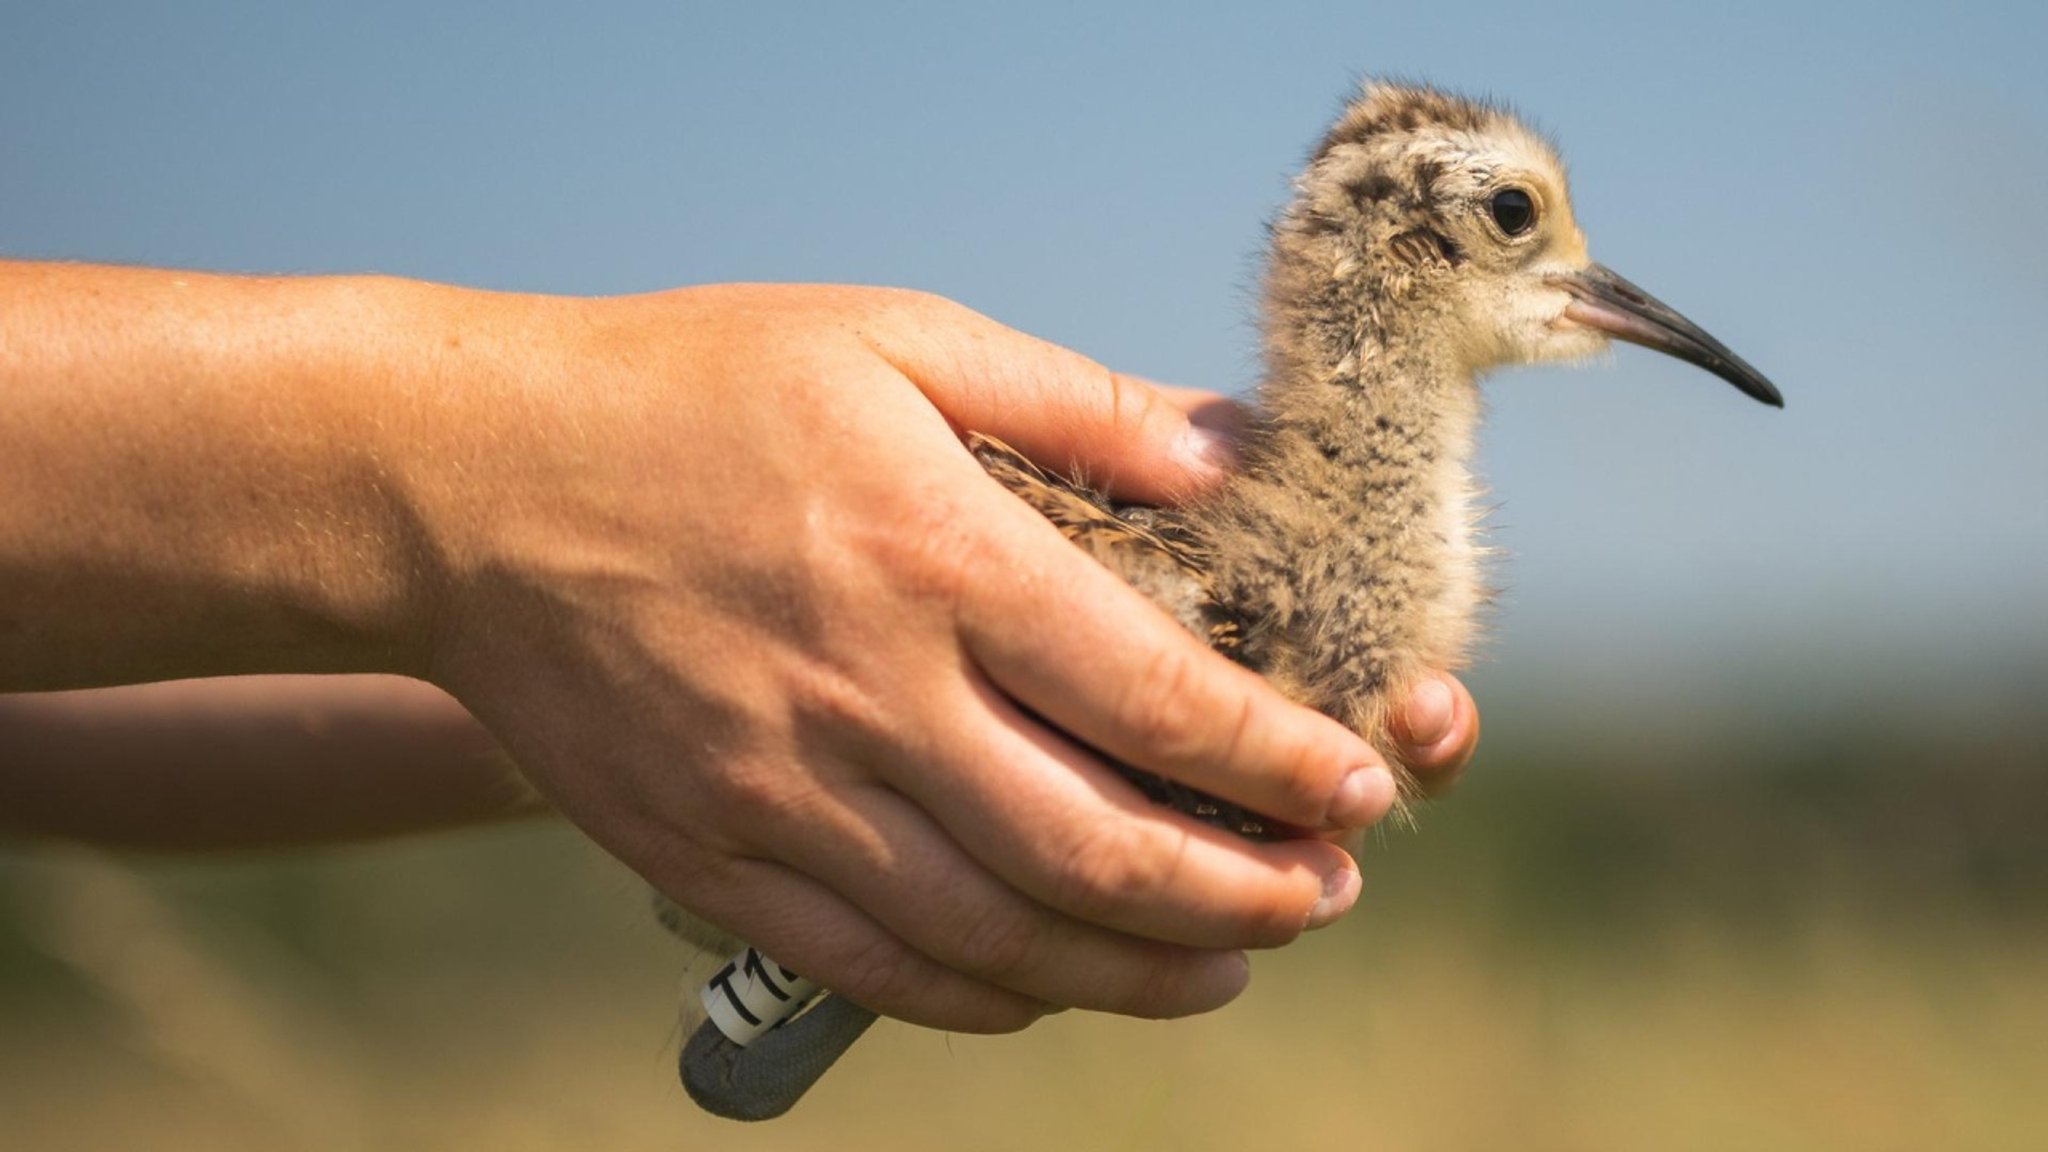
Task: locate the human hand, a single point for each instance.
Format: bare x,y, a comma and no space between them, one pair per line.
722,579
716,567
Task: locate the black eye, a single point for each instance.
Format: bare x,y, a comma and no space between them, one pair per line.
1513,211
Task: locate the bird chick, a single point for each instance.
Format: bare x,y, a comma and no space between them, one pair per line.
1429,240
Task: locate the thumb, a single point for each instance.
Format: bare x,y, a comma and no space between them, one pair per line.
1058,407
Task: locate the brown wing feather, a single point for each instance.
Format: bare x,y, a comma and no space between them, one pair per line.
1074,509
1144,546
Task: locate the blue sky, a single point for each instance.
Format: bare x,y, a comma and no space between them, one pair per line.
1850,195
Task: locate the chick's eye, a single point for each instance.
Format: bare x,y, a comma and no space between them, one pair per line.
1513,211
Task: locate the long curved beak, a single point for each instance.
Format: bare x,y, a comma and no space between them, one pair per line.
1604,301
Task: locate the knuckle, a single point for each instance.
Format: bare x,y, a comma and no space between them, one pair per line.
880,973
1160,993
885,976
1169,715
836,704
917,309
752,792
998,945
929,547
1304,789
913,298
1136,406
937,309
1115,865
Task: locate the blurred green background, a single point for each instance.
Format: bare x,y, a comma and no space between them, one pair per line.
1756,852
1841,942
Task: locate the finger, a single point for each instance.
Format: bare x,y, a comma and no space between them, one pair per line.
811,930
1158,699
1055,406
888,858
1438,729
1062,827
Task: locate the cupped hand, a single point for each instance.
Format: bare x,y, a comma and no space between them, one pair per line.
715,568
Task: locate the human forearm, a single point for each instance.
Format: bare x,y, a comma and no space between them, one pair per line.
191,480
249,762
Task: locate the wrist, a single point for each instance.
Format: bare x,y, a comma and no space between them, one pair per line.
468,441
368,357
196,479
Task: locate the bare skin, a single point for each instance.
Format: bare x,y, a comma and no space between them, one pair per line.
281,761
711,567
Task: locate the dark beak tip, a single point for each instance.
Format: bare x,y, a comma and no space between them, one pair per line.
1626,312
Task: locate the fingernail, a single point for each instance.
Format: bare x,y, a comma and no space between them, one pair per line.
1362,798
1340,892
1200,450
1431,709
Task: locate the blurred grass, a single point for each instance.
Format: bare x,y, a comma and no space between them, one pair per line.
1840,944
